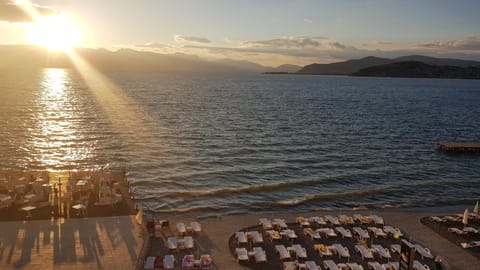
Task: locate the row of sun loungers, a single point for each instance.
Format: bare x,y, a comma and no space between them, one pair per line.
278,223
463,231
194,227
257,253
169,262
183,243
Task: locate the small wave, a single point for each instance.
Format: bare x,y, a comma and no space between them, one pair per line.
328,197
246,189
188,210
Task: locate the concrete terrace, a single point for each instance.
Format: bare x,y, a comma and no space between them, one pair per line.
87,243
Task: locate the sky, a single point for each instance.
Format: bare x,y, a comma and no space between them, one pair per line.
268,32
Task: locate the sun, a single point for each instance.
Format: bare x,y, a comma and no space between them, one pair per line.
55,33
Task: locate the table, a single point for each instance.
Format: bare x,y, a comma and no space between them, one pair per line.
28,209
80,208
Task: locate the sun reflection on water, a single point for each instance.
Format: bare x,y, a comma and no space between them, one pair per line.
56,138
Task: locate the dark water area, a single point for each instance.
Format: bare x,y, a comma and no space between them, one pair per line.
204,145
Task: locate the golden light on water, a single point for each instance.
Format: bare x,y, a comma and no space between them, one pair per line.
55,126
121,109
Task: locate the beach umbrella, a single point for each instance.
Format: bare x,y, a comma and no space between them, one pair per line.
475,210
465,217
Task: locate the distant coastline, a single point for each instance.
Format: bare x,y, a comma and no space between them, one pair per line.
413,66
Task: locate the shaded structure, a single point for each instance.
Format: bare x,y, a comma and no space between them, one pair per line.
459,147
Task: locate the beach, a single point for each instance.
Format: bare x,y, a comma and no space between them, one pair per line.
119,242
217,231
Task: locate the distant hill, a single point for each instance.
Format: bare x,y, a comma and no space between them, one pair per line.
287,68
27,57
352,66
415,69
343,68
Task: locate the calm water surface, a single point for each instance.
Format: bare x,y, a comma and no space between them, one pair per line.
219,144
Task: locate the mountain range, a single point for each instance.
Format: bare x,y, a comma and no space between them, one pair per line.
352,66
128,60
25,57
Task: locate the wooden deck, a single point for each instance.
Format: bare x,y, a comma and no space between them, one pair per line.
459,147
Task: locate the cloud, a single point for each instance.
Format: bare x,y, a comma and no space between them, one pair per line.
471,43
307,20
14,12
287,42
153,45
181,39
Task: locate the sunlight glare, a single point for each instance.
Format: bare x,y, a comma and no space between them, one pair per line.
55,33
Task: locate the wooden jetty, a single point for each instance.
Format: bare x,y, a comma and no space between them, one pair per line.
459,147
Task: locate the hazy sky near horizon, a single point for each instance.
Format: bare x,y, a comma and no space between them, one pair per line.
273,32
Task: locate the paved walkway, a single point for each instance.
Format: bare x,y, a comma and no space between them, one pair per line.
87,243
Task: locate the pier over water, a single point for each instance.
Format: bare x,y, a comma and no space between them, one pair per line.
459,147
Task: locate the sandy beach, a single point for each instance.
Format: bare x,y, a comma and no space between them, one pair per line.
217,231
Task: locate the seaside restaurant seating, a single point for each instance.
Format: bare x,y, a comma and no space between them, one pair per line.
241,238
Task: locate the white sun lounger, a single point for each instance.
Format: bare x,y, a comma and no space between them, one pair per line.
172,243
329,232
470,230
260,255
256,237
375,266
168,262
391,265
314,235
303,221
342,251
346,219
376,219
393,231
330,265
311,265
290,265
318,220
423,251
346,233
242,254
196,227
381,251
278,222
289,234
361,233
395,248
274,235
364,252
266,223
333,220
470,244
322,250
181,228
241,237
436,219
350,266
377,232
188,242
419,266
452,219
457,231
282,252
300,252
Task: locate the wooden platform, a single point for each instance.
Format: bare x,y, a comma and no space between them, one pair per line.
459,147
